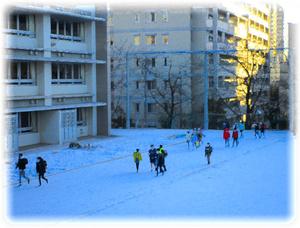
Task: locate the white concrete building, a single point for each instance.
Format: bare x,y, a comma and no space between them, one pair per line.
56,80
137,29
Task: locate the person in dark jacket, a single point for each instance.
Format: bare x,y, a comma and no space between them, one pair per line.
162,151
208,151
21,165
152,157
41,166
160,162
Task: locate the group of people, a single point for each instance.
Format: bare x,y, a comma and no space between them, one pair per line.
259,129
41,166
235,136
157,159
194,137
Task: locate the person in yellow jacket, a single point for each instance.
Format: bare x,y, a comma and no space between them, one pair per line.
137,157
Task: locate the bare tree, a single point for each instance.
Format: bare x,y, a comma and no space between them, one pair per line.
251,78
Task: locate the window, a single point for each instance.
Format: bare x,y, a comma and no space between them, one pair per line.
112,85
153,62
111,42
165,17
150,39
20,73
166,82
266,30
61,30
66,30
165,39
76,29
23,22
210,58
53,27
81,117
13,22
219,36
152,17
210,38
67,73
137,84
137,40
220,81
211,81
136,18
150,107
210,16
27,122
151,84
165,61
137,107
111,64
20,24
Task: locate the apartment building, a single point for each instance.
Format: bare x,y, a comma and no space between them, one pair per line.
224,27
200,27
56,78
276,41
150,31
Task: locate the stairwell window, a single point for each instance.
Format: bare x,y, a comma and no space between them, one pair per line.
152,16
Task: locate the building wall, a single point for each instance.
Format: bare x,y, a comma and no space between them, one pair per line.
125,24
44,97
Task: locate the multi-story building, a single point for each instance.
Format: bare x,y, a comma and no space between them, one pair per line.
221,28
224,28
56,79
276,41
151,75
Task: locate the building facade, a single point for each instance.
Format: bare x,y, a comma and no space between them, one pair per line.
194,30
54,71
153,77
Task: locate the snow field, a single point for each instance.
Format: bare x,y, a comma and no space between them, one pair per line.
251,181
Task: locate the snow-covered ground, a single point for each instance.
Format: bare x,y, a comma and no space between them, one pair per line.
252,181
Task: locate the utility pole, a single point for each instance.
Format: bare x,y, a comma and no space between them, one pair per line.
127,94
205,103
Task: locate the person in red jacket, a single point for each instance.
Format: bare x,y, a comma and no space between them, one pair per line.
226,136
235,136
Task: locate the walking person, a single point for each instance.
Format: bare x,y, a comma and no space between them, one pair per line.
137,157
226,136
21,165
256,130
188,138
262,129
160,163
235,136
152,157
241,128
163,152
41,166
195,140
208,151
